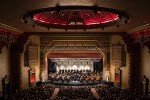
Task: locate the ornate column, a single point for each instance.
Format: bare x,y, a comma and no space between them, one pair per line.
135,47
134,50
16,62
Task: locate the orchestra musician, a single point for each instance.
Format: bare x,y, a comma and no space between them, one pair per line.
74,75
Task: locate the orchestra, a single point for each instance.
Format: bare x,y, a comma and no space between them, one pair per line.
75,75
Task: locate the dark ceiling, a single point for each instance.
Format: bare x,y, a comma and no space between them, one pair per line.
12,10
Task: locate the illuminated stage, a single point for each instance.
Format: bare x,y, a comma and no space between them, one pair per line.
77,83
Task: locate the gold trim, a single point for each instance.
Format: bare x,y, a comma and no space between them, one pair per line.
10,28
50,44
140,28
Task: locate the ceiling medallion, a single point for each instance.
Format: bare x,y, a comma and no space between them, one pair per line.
76,17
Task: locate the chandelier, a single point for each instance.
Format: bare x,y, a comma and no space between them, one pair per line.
76,17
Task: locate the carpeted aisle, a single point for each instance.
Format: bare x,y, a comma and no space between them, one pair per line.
95,93
54,94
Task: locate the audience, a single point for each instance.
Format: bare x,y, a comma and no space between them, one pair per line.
112,93
41,92
75,93
45,91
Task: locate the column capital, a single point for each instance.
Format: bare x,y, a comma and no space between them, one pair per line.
6,39
147,43
129,42
2,44
20,43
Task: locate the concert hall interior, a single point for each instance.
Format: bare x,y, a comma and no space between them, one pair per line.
74,49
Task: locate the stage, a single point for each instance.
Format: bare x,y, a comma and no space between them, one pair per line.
77,83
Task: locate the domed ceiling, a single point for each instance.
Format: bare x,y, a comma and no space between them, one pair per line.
12,11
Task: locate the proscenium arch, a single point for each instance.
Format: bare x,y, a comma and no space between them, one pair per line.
50,48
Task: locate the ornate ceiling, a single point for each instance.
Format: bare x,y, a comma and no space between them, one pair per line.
11,12
76,17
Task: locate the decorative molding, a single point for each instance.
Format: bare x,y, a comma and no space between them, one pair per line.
74,34
73,45
75,55
74,49
10,29
8,39
116,56
140,34
138,29
31,54
8,35
141,37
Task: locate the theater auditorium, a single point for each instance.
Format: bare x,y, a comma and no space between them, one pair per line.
74,50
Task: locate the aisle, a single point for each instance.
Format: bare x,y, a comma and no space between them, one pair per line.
54,94
95,93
